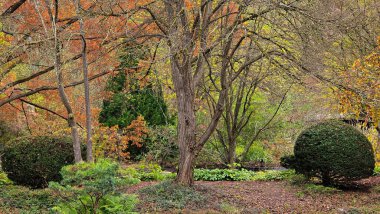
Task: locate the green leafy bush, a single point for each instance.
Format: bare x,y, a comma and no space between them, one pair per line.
93,188
222,175
273,175
163,148
335,152
146,172
376,171
256,154
34,161
4,180
168,195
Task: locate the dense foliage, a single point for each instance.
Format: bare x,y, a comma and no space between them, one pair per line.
132,95
146,172
335,152
241,175
93,188
121,144
34,161
163,148
123,108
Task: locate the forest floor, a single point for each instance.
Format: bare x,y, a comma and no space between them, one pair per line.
271,197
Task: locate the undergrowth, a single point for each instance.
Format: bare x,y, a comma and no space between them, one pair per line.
168,195
25,200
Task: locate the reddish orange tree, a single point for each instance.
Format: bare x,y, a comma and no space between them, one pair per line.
44,36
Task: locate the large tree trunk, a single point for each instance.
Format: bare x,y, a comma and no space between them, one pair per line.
186,126
185,168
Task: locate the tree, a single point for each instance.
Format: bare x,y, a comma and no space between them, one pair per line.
27,81
53,14
89,156
204,41
362,93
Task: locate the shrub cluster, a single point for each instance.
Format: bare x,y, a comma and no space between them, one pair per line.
163,148
222,175
93,188
273,175
333,151
34,161
146,172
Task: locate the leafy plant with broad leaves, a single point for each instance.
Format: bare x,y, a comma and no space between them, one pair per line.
93,188
222,175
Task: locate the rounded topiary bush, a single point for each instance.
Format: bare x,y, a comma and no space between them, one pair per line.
335,152
34,161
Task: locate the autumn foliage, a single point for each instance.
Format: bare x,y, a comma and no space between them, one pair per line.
363,82
113,142
361,96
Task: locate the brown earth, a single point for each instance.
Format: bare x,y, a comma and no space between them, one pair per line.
274,197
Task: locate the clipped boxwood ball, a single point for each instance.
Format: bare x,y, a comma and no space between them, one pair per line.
335,152
34,161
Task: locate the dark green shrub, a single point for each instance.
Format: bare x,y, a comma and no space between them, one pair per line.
129,99
34,161
288,161
335,152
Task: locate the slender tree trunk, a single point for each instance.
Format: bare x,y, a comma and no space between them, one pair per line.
231,156
86,85
61,89
377,149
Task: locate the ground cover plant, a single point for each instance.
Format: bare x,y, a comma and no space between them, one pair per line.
168,195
